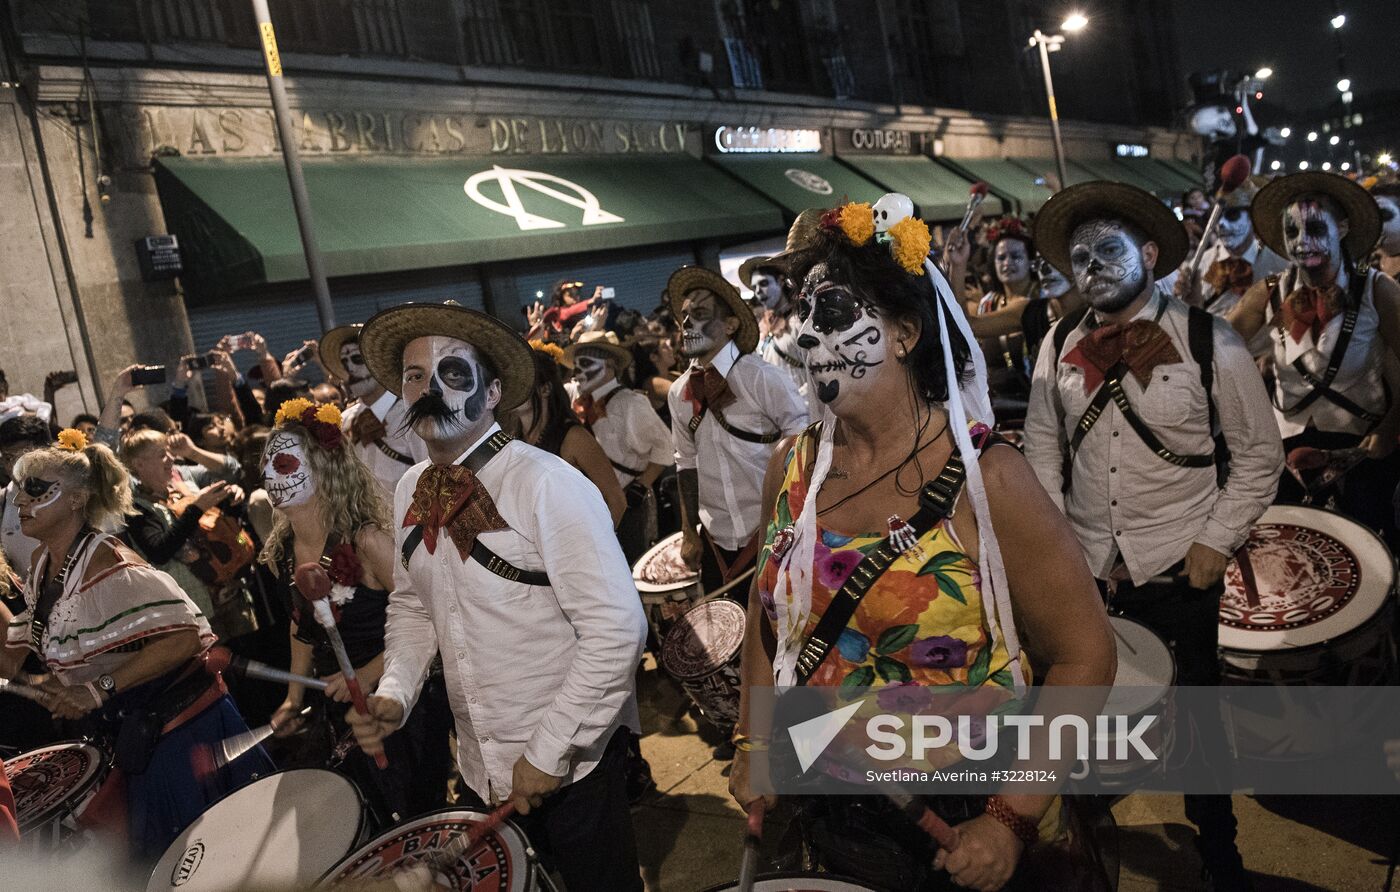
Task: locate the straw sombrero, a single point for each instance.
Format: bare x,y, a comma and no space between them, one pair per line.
1362,213
689,278
331,342
1102,200
604,341
385,335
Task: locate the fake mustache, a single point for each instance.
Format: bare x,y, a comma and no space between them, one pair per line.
430,406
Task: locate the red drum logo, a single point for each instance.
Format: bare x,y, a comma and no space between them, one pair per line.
1300,576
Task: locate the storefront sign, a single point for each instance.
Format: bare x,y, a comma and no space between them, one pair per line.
252,133
158,256
730,140
1131,150
878,142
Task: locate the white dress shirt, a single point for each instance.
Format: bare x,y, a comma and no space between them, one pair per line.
392,411
1360,378
1264,263
730,470
18,547
548,672
783,353
631,433
1126,500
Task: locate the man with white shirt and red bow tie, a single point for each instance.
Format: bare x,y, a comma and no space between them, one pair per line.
1233,262
727,412
509,569
1148,423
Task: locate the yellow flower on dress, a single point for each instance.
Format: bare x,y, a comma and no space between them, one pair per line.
72,440
293,409
329,414
857,221
910,241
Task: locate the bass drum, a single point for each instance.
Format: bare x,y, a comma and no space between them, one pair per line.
797,881
1142,685
702,653
281,831
667,587
52,787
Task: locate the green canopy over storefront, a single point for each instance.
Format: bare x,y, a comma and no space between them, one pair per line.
237,228
1132,174
798,181
1005,178
938,193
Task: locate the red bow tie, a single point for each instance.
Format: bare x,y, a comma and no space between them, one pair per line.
451,497
707,388
1310,309
1142,345
1231,274
590,410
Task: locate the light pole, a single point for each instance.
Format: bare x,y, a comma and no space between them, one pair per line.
1050,43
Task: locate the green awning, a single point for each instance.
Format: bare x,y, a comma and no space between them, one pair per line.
1183,176
1167,183
1010,181
938,193
236,226
1047,169
1132,174
798,182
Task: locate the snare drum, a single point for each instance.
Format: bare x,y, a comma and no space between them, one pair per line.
702,653
798,881
52,787
668,588
502,862
282,831
1142,686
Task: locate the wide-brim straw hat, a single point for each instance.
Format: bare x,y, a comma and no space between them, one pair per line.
1101,200
604,341
331,342
1362,213
385,335
689,278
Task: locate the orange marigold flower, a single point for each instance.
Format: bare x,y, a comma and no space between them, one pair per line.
857,221
910,241
72,440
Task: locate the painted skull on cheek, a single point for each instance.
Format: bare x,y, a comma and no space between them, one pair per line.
1108,266
358,379
702,324
1312,235
767,290
455,395
286,472
1236,230
843,335
589,372
1390,223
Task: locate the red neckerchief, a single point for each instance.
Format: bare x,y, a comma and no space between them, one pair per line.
1142,344
1310,309
1231,274
451,497
706,388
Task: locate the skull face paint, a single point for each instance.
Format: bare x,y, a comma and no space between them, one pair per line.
1013,262
1108,265
590,372
767,290
1312,236
1052,282
843,336
1236,230
286,471
1390,224
357,377
446,386
35,503
702,323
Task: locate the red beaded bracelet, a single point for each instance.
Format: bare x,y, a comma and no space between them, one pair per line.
1026,829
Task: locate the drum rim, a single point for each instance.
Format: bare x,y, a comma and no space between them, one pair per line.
428,816
97,773
643,586
359,830
677,624
731,885
1387,599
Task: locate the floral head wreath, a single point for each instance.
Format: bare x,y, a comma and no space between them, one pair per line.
908,240
321,419
71,440
552,350
1007,227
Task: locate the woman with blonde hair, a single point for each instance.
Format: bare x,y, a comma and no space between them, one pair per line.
122,642
328,509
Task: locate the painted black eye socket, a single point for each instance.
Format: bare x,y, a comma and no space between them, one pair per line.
456,373
1234,214
804,308
36,487
1080,257
1315,228
836,310
1387,214
1290,230
355,359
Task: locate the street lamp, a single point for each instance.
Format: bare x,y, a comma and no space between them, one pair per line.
1346,165
1312,136
1286,132
1344,85
1302,165
1275,164
1338,21
1264,73
1050,43
1383,159
1327,165
1334,140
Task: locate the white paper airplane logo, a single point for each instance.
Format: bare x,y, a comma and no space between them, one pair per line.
811,738
507,179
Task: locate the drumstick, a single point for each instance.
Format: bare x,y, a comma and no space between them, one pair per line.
221,659
20,689
464,845
753,836
937,828
1126,643
206,758
975,196
730,584
313,582
1233,173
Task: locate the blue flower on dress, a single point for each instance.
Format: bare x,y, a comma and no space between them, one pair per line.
854,646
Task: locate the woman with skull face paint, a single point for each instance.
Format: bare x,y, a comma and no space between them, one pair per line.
1234,261
938,592
123,645
772,298
1387,197
1334,334
328,504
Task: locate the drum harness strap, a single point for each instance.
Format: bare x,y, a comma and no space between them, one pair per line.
1322,387
746,436
394,453
1202,348
602,404
937,499
50,594
475,461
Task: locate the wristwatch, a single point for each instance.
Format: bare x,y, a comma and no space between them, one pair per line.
107,685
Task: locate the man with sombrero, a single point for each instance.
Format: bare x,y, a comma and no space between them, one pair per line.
1148,421
508,568
1334,333
1233,262
727,411
376,420
632,435
775,301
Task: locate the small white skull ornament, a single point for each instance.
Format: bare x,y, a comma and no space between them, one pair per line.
890,209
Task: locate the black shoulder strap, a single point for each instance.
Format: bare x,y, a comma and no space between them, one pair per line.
1200,338
1065,326
475,461
1322,387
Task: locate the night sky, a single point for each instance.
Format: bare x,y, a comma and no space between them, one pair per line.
1294,38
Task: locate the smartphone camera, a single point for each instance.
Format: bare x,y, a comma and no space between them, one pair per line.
196,363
